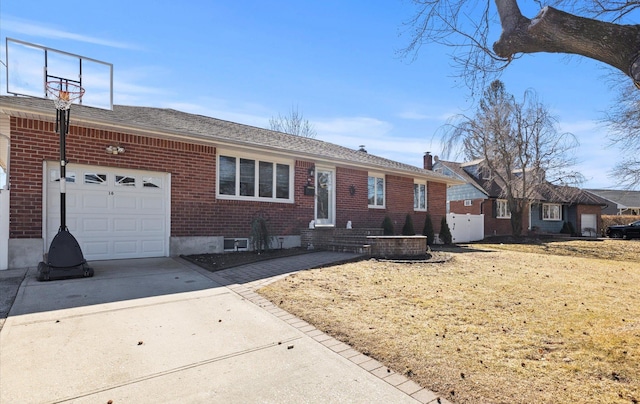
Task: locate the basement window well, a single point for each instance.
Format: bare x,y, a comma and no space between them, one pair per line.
236,244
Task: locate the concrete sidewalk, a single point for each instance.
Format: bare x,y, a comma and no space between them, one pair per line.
165,330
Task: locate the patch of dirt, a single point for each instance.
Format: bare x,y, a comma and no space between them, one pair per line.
218,262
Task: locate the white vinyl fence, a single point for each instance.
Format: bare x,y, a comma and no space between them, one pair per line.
465,228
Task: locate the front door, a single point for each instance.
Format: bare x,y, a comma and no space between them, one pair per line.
325,197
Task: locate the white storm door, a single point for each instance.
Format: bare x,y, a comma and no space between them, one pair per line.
325,209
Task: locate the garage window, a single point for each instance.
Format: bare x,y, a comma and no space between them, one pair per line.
93,178
55,176
125,181
151,182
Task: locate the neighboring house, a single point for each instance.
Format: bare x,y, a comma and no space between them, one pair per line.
618,202
147,182
552,207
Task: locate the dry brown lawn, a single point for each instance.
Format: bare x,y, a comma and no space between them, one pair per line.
548,323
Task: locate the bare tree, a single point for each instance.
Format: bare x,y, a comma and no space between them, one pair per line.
598,30
293,124
623,120
469,26
519,148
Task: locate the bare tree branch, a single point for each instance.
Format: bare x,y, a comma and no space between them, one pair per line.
293,124
623,122
468,25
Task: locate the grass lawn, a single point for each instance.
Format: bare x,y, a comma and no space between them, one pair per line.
517,323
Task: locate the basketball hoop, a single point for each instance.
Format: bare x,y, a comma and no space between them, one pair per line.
63,93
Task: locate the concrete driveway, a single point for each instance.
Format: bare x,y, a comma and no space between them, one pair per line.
164,330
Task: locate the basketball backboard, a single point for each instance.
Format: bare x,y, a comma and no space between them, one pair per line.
30,66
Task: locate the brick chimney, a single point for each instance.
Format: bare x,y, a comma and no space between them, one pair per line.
428,161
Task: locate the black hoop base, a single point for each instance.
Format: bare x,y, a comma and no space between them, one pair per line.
65,260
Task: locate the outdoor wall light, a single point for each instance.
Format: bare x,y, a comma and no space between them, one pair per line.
111,149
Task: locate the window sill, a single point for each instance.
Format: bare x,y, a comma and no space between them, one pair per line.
252,199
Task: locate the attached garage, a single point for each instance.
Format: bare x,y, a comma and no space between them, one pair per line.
113,212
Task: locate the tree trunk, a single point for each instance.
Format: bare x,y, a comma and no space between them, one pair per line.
516,223
555,31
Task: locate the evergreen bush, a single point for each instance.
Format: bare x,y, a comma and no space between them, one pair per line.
428,230
407,229
387,226
445,233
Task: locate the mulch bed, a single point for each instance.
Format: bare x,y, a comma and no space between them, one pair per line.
218,262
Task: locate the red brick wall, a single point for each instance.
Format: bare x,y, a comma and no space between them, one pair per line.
353,207
501,227
436,205
195,211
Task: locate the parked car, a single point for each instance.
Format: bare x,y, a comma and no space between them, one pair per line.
628,231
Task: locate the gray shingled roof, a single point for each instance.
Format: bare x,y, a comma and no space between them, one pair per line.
169,122
543,192
626,198
465,176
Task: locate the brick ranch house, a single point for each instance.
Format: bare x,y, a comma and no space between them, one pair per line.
185,184
551,207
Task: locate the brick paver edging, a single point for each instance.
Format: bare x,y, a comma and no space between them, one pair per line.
246,285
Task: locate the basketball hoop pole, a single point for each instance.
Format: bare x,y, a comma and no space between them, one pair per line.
62,126
65,258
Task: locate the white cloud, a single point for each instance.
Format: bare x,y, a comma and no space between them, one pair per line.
221,109
352,126
39,29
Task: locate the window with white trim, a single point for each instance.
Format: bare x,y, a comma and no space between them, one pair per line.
502,209
551,211
467,202
375,191
247,178
419,196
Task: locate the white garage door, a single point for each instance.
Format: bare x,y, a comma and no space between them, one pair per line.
589,225
113,213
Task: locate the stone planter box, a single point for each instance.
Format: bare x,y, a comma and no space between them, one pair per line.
397,246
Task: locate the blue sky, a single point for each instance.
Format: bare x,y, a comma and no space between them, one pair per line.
337,61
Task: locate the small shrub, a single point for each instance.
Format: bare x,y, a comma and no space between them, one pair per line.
387,226
407,229
445,233
428,230
260,237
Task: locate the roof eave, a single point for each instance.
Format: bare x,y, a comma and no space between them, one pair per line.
33,112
